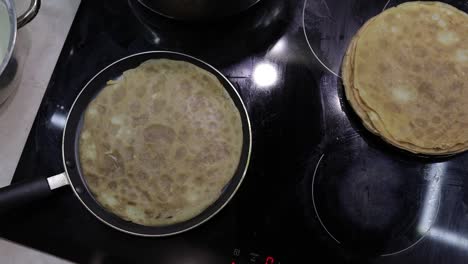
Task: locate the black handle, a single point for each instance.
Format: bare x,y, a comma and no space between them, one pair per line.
21,193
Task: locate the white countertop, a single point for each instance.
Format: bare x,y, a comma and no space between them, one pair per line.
40,42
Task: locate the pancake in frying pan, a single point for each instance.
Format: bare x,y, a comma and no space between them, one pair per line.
159,144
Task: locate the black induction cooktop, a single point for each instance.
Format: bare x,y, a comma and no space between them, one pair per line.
319,189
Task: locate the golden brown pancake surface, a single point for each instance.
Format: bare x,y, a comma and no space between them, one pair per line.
405,74
159,144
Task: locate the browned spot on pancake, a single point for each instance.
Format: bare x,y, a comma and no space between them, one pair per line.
140,120
437,48
425,89
118,94
104,101
134,107
147,196
149,213
185,85
420,51
158,133
180,153
182,177
436,120
105,146
158,106
142,176
213,125
420,122
392,107
183,133
162,197
111,164
132,195
198,180
197,102
128,153
199,132
155,86
450,67
418,133
209,82
177,116
363,68
389,18
441,69
365,54
416,67
456,86
382,67
166,182
413,13
112,185
383,43
233,120
101,109
220,150
140,90
154,157
92,178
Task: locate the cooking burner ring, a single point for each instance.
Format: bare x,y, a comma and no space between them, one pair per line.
330,25
372,203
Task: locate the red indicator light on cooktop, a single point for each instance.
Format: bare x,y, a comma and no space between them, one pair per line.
269,260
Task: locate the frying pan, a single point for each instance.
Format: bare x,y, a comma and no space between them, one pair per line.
21,193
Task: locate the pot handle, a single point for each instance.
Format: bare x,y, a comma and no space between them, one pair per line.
29,14
18,194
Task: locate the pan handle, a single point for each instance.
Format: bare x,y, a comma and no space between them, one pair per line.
29,14
22,193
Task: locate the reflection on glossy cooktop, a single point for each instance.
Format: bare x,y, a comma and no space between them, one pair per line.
319,185
370,198
373,202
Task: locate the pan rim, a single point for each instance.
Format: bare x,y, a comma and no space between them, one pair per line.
231,195
190,18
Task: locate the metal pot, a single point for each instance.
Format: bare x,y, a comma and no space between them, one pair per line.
9,23
197,9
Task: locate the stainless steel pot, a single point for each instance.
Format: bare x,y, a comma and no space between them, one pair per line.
9,23
197,9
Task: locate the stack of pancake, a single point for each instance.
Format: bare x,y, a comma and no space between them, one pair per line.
405,74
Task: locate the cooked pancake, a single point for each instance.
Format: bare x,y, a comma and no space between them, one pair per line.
405,74
159,144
